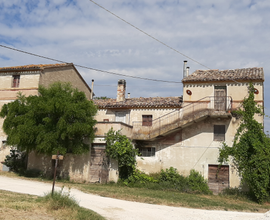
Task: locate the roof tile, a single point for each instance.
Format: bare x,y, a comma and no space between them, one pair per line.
152,102
33,66
255,73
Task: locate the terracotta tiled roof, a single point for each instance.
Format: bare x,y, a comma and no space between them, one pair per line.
255,73
34,66
156,102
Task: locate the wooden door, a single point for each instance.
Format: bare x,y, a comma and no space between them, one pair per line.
220,98
99,169
218,179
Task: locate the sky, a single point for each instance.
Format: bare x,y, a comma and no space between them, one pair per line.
217,34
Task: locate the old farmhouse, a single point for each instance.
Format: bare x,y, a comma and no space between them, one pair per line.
184,132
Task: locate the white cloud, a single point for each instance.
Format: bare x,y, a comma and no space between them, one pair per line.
219,34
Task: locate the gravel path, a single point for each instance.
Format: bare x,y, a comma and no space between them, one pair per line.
115,209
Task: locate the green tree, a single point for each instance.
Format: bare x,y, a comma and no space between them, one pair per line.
60,119
120,148
251,149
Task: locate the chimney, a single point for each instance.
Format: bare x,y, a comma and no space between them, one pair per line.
185,69
121,90
128,95
92,89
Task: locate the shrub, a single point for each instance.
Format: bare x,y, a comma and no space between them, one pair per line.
139,178
172,179
60,200
197,183
16,161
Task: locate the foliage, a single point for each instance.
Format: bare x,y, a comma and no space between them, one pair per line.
16,161
102,97
251,150
196,182
60,200
60,119
120,148
169,179
139,177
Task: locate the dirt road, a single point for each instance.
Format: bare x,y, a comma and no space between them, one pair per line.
115,209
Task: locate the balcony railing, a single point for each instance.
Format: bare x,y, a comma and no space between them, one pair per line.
188,113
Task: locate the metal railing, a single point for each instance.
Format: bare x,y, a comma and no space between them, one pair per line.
188,113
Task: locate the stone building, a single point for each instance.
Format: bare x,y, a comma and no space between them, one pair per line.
185,132
27,79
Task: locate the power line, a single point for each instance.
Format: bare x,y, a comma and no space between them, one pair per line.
166,45
90,68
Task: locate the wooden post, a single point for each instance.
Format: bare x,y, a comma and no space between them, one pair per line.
55,168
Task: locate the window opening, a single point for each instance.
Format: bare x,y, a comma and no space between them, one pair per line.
15,81
147,120
147,151
219,132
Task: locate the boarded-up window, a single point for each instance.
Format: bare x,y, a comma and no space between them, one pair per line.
147,120
147,151
15,81
219,132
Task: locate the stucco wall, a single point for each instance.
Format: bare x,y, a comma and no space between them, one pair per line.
237,91
132,115
64,74
196,150
75,167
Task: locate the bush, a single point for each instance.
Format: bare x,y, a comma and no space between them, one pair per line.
172,179
197,183
139,178
16,161
169,179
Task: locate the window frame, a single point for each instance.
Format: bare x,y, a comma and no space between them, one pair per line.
147,151
219,132
15,81
147,120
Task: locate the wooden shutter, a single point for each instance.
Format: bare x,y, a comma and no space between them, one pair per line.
147,120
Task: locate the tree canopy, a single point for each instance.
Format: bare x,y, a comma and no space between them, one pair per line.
60,119
251,149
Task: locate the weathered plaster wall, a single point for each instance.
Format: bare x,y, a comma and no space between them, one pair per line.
196,150
64,74
237,91
75,167
133,115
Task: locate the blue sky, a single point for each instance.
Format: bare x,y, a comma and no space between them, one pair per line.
219,34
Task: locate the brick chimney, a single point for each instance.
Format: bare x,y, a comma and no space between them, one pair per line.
121,90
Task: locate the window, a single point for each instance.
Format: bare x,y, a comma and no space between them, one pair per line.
147,120
147,151
219,132
15,81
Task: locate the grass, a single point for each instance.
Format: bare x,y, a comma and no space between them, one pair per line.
22,206
171,198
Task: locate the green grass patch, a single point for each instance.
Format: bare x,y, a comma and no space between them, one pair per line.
60,206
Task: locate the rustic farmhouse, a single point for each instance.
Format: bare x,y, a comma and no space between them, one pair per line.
26,79
184,132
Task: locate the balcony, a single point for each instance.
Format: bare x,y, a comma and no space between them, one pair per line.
103,127
190,113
